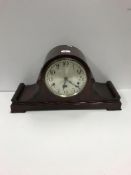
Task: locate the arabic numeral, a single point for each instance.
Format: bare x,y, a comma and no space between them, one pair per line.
57,66
79,71
65,63
52,72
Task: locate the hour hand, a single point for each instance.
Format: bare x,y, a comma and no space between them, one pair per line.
64,85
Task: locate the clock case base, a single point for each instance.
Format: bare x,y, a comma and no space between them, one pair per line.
102,96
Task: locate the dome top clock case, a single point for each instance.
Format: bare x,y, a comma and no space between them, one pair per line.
65,82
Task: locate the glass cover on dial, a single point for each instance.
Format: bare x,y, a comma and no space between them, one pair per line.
65,77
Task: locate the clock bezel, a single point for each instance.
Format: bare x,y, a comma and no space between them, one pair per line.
81,95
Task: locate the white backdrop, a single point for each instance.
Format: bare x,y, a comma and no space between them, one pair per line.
30,28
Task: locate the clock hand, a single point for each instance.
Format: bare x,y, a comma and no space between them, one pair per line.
73,84
64,85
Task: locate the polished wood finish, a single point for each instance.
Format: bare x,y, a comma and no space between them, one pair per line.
38,97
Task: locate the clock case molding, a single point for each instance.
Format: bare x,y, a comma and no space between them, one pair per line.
95,95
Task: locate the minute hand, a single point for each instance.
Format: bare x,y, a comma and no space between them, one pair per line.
73,84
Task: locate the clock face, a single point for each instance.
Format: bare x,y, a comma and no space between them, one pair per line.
65,77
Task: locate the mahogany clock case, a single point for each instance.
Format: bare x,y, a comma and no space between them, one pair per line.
38,96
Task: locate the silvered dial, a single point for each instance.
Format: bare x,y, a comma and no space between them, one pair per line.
65,78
